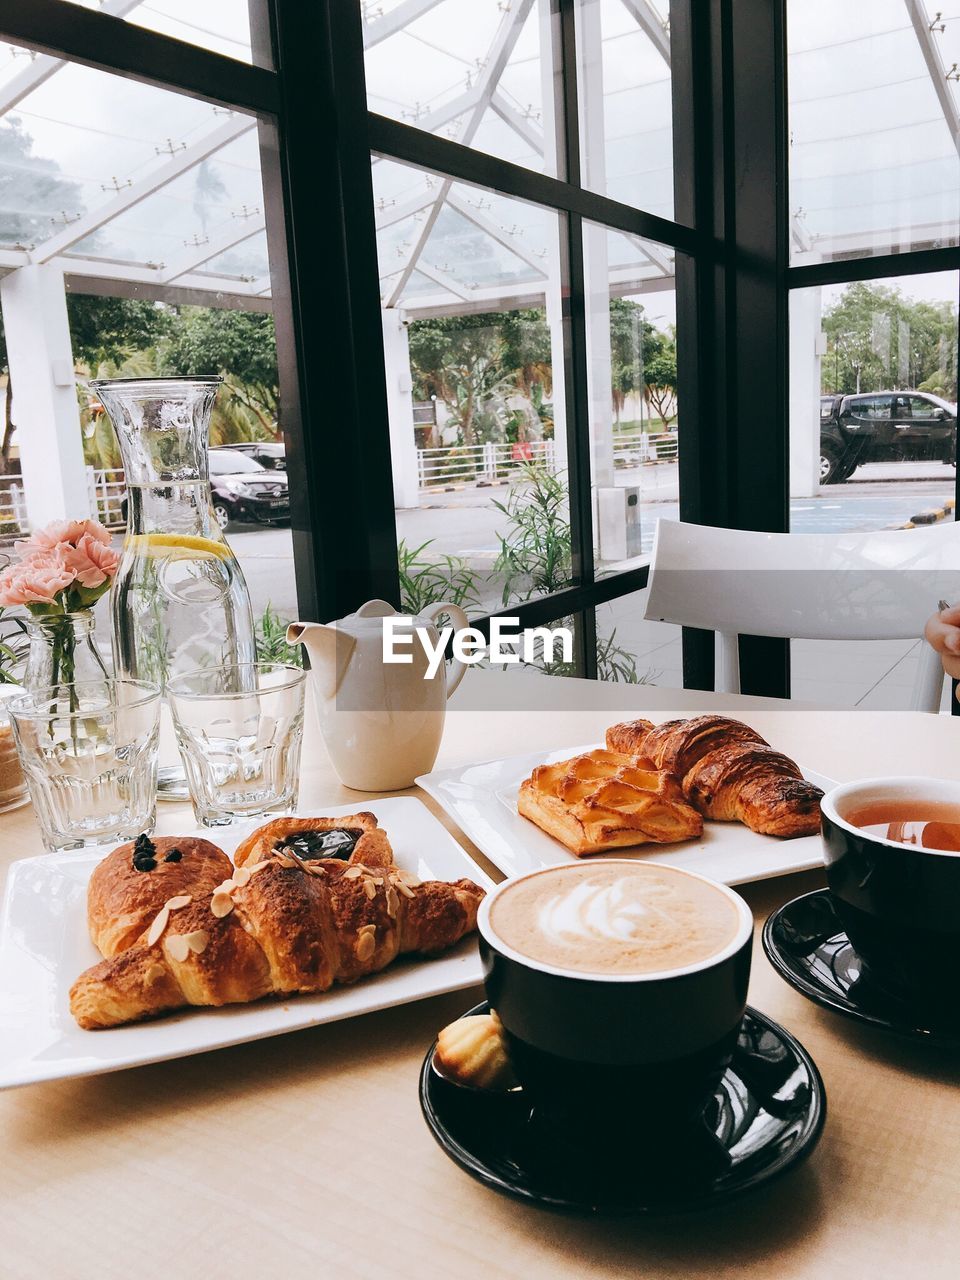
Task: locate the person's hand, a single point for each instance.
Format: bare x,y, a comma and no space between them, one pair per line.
943,632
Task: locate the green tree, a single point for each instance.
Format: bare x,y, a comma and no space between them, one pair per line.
660,381
111,330
642,359
240,345
877,338
473,362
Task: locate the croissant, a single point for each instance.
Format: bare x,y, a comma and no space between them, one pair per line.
676,745
755,785
132,883
728,771
280,927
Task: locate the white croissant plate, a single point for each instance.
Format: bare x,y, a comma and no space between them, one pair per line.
482,800
44,945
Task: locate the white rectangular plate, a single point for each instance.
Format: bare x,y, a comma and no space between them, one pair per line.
44,946
482,800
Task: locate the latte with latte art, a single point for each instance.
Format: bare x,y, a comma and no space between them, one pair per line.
615,918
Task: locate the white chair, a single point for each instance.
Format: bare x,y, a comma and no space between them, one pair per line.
842,586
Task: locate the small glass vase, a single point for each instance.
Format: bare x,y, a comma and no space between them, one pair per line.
63,651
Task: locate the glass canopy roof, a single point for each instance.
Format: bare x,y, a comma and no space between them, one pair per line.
129,183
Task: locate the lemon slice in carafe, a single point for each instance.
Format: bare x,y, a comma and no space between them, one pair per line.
178,545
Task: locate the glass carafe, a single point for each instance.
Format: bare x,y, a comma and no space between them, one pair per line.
179,598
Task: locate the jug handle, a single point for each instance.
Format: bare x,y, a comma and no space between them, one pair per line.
460,620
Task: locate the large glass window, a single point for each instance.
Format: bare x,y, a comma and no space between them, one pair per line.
223,26
626,116
873,128
480,74
873,387
873,432
473,341
632,354
132,220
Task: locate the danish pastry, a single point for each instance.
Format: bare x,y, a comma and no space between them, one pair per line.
354,838
605,800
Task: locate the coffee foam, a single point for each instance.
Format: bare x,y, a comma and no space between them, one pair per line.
618,918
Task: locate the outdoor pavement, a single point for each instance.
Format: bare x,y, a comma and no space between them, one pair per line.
876,674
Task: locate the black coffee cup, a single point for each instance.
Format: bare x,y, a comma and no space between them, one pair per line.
899,903
606,1055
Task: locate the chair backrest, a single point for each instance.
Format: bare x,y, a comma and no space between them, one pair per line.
843,586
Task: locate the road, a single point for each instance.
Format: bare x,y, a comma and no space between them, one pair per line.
466,524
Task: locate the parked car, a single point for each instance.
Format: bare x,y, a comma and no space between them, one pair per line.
270,454
884,426
244,488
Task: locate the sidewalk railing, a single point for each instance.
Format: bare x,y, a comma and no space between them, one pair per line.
486,463
108,489
479,463
13,508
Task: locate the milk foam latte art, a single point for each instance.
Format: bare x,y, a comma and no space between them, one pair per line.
621,918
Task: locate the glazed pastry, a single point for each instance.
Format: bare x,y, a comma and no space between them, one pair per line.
355,838
279,927
471,1051
603,800
130,885
728,772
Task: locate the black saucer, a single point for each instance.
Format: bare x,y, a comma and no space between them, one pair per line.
806,944
766,1116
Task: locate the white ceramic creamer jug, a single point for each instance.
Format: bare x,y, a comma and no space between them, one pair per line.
381,722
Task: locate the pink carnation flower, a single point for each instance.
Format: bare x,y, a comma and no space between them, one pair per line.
38,581
58,532
91,561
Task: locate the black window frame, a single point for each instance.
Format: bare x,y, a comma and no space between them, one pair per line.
729,75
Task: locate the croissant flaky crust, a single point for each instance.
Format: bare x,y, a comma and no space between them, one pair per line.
728,772
122,901
606,800
279,927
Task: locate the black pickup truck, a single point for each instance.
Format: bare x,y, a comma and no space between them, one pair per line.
884,426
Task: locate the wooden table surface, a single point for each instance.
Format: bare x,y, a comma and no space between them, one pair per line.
305,1155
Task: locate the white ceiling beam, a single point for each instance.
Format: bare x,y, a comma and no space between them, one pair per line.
235,232
407,11
391,214
193,154
13,258
496,232
504,42
528,130
44,65
652,25
446,281
938,72
652,253
431,121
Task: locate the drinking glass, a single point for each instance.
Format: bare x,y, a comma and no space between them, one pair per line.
239,729
89,753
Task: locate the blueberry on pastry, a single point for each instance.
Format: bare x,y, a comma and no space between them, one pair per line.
132,883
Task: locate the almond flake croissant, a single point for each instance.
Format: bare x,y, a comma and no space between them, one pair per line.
280,927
